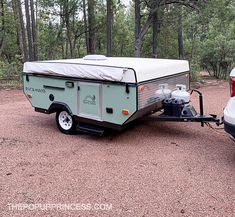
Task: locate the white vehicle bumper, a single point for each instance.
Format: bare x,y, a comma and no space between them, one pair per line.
229,117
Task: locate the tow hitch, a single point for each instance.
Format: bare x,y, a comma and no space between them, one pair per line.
198,118
187,113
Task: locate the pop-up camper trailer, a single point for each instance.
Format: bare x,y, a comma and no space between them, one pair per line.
100,92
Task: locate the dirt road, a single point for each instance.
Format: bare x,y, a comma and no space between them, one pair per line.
151,169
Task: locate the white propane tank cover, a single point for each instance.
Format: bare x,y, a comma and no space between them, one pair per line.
181,93
163,92
165,85
181,86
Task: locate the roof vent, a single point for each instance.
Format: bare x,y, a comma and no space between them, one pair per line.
95,57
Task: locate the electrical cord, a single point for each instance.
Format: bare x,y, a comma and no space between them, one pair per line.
216,129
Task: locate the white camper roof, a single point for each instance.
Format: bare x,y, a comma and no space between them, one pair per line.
119,69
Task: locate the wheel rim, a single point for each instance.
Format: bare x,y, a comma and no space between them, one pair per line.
65,120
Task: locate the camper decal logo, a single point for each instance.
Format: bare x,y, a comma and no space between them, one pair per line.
32,89
89,100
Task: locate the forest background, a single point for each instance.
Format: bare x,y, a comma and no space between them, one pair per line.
201,31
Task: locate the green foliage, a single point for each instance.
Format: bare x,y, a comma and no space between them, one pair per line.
123,33
194,71
208,33
10,47
218,43
218,56
10,70
49,41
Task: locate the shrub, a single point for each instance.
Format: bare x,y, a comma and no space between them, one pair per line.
218,56
10,70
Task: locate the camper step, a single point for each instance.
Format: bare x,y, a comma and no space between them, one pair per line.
85,128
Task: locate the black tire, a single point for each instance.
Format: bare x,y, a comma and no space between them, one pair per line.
65,122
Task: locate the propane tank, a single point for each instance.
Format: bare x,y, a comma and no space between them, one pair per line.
163,92
181,93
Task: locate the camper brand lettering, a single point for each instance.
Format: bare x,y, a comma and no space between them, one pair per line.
89,100
35,90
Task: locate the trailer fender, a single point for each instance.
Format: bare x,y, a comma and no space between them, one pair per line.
59,106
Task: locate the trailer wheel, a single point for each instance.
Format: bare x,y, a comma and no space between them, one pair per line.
65,122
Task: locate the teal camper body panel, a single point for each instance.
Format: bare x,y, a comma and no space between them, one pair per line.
102,102
118,99
41,88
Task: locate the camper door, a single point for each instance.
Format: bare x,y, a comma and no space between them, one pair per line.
89,100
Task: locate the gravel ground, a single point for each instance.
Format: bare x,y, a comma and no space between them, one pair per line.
150,169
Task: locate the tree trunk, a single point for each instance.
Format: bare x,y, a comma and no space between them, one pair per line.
66,48
62,40
138,46
34,31
154,6
138,43
85,25
139,40
23,34
109,21
154,34
91,26
2,20
180,35
68,28
28,27
18,32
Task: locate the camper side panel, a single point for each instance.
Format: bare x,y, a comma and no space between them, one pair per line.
43,91
102,102
117,98
147,94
